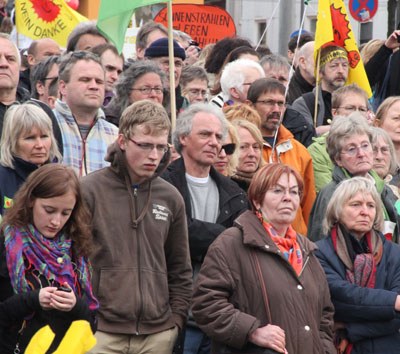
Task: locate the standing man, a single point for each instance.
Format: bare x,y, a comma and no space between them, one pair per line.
267,96
10,92
113,64
334,69
142,273
85,132
212,200
158,53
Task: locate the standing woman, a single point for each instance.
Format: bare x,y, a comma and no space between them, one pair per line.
260,285
45,241
27,142
250,153
143,80
363,270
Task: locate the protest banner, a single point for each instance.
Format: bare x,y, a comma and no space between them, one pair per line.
204,23
46,19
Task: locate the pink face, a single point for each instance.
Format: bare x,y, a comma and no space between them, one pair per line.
143,162
51,214
358,214
152,82
249,152
222,163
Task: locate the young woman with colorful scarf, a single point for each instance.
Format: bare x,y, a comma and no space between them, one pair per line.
45,241
261,289
363,271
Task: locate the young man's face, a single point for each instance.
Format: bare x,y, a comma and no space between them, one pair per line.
143,152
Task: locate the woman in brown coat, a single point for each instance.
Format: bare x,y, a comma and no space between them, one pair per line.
260,285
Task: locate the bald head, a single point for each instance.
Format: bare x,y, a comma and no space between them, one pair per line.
306,62
41,49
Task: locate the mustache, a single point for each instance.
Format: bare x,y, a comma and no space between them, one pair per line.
274,115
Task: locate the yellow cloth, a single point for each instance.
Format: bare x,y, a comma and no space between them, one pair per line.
79,339
333,27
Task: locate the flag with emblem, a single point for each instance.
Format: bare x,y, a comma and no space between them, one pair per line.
38,19
333,28
7,202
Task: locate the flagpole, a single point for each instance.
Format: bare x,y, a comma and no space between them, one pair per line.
316,89
171,65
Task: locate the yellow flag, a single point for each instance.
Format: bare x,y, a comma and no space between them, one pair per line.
79,339
333,28
54,19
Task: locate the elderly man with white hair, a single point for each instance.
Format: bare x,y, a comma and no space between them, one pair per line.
236,79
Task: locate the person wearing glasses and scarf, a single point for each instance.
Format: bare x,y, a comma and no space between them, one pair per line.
261,289
362,269
349,145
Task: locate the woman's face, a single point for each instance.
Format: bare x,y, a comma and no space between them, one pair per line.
281,202
391,122
356,155
381,157
358,214
223,159
151,82
51,214
249,152
34,146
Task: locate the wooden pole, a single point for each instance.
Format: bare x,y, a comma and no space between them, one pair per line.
171,65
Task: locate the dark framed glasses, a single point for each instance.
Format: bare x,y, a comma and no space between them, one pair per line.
228,148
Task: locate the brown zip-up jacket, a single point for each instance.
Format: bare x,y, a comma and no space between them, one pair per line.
228,303
142,274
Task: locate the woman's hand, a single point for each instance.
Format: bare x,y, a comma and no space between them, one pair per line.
63,300
397,303
45,297
269,336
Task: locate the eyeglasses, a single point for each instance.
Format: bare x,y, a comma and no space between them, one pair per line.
162,149
147,90
384,150
272,103
228,148
353,150
50,78
198,92
361,109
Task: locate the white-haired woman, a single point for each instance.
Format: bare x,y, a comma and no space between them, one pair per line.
363,270
27,142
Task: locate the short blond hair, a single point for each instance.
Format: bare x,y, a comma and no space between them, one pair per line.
242,111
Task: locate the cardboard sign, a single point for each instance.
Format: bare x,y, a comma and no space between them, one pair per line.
205,24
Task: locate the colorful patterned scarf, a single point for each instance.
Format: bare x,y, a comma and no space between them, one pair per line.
360,268
288,245
27,248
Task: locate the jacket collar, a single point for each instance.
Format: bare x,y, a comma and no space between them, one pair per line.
255,235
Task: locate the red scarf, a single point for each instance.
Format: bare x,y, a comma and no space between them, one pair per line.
288,244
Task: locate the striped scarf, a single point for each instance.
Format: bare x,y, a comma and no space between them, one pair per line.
27,249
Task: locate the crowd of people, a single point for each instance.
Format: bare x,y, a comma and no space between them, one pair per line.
266,221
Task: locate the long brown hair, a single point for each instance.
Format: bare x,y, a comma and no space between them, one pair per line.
49,181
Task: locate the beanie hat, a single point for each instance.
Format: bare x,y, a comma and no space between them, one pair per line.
159,48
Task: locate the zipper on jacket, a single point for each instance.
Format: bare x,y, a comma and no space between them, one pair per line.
138,266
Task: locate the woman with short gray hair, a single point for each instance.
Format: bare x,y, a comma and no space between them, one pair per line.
363,270
142,80
27,142
349,145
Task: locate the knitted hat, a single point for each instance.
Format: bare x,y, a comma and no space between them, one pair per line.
159,48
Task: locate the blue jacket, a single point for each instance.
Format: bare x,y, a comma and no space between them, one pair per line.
372,324
12,179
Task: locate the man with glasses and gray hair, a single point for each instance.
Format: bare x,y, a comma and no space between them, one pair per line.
85,133
267,96
141,262
212,200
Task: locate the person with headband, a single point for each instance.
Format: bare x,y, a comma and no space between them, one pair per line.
333,72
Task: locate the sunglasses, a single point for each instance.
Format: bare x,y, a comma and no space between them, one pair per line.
228,148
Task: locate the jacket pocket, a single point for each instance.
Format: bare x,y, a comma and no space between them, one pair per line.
118,294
